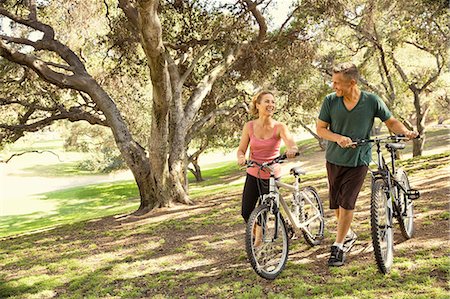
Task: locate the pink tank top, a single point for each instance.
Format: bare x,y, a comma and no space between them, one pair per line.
264,150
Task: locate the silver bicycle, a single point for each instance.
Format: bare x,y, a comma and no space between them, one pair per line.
268,231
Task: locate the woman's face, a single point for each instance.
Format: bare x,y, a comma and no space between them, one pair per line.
266,105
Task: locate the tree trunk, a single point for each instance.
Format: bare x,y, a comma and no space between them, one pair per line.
197,172
151,173
421,114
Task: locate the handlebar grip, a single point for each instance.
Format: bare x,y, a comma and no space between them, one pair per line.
284,157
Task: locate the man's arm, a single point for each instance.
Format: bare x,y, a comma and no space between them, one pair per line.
398,128
322,129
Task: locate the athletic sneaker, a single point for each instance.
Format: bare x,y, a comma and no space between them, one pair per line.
337,257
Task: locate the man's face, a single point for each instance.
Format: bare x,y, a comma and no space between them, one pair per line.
342,85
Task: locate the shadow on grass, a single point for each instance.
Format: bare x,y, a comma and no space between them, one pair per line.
198,251
197,254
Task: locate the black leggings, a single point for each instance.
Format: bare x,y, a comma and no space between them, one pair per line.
251,193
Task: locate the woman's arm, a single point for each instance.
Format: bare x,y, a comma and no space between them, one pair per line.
243,145
288,139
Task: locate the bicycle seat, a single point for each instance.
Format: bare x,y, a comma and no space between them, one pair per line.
296,171
395,146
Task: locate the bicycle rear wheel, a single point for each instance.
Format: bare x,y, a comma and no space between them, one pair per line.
267,251
311,214
381,226
405,213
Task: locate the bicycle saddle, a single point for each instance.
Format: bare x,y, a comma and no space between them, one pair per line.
395,146
296,171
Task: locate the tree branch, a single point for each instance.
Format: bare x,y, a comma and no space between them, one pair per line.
204,87
287,20
130,12
213,114
48,31
252,7
28,152
40,67
436,74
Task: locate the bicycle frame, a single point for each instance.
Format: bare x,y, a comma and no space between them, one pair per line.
393,186
275,198
387,174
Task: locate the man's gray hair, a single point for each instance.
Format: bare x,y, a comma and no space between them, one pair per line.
348,69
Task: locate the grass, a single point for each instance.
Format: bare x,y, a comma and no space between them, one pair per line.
74,205
197,252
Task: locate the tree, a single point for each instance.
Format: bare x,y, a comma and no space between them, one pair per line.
183,64
379,32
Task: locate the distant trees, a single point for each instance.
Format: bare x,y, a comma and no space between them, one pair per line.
386,39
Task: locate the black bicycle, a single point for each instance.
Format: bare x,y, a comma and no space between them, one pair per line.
268,233
392,197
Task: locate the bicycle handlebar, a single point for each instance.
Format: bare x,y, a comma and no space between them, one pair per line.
279,159
395,138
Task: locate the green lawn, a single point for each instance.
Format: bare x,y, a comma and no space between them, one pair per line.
87,247
75,205
198,252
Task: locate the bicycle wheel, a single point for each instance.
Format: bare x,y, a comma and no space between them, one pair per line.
268,253
311,214
381,226
405,212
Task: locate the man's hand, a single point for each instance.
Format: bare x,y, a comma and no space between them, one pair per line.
344,141
411,134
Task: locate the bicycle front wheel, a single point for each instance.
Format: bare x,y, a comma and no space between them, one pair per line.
266,242
381,226
405,212
311,214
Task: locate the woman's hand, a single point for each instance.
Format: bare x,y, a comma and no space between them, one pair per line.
241,160
290,153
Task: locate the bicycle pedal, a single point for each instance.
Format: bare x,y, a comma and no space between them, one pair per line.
413,194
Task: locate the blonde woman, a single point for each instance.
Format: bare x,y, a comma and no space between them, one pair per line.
264,136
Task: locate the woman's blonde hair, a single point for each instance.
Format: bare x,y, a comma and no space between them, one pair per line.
257,100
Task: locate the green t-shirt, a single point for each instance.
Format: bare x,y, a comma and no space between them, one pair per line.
355,124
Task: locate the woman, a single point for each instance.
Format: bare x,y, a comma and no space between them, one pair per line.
264,136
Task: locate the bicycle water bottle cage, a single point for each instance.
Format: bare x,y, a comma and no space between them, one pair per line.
413,194
297,171
395,146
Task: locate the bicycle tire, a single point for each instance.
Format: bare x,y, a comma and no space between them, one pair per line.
405,212
381,227
306,211
261,258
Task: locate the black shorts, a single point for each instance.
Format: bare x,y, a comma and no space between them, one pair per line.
344,184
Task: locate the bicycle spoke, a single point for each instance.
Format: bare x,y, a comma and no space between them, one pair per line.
269,258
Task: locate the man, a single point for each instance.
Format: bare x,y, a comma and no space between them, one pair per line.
346,115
